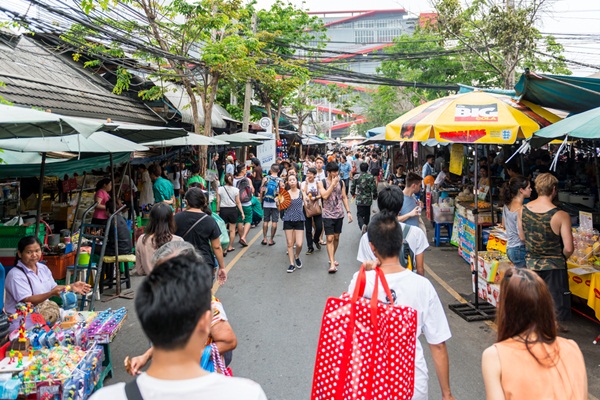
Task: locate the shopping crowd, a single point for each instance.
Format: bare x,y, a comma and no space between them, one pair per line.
186,240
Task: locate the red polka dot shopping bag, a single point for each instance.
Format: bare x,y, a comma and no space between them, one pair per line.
366,348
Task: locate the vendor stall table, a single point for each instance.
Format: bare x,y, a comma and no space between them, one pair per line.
585,285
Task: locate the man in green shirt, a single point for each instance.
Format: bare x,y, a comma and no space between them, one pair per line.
196,178
162,188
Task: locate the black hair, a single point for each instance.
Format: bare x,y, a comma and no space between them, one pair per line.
172,299
239,168
430,156
24,242
385,234
195,169
161,225
332,167
154,170
256,162
312,170
511,188
196,198
102,182
364,167
390,198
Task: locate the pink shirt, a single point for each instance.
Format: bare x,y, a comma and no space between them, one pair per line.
101,214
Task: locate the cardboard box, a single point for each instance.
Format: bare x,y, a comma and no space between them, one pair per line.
482,290
493,291
63,213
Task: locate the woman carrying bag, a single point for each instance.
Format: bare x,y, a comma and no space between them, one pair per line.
228,200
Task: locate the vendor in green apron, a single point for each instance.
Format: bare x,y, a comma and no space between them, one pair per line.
162,188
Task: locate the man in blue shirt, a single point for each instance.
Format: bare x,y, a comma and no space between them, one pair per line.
345,168
428,167
411,208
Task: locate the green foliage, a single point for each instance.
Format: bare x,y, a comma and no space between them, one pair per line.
2,99
123,80
385,105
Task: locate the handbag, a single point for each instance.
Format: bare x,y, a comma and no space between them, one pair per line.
313,208
366,348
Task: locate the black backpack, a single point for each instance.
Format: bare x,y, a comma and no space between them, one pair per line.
245,190
407,256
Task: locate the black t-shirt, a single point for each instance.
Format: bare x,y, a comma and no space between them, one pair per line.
124,242
201,235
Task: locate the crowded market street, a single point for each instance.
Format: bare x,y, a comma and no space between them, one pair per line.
276,317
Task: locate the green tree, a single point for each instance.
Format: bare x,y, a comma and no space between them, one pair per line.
501,37
196,45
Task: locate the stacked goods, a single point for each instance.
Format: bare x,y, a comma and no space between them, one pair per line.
491,267
443,213
587,248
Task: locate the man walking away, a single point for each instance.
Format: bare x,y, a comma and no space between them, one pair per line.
335,202
268,192
412,290
364,190
173,305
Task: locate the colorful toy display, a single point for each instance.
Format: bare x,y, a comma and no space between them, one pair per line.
106,325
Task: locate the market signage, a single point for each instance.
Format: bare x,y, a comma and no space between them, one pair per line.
476,113
463,136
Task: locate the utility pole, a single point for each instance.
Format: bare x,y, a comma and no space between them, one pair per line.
248,93
509,57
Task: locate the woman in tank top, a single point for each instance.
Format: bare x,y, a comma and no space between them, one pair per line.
529,361
513,194
293,223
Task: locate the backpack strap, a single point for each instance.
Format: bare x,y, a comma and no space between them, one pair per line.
132,390
405,231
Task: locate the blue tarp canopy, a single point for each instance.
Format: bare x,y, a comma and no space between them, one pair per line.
568,93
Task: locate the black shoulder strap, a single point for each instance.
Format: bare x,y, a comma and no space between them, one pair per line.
193,226
132,390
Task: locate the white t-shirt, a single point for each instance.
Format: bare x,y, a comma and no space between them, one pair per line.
212,386
228,194
415,291
175,180
416,239
440,178
312,187
320,175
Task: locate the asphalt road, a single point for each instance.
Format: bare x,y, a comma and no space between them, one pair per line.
277,316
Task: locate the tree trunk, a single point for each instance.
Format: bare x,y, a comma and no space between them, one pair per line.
277,117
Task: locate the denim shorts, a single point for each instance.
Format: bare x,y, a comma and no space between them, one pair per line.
517,255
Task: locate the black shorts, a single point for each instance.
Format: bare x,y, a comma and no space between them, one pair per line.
293,225
229,214
333,226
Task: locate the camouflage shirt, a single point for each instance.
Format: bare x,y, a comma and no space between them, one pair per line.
365,189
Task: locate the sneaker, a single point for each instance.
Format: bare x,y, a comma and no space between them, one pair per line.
298,263
318,245
310,251
291,269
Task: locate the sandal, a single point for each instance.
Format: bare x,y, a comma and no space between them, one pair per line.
323,243
264,242
272,243
332,270
243,243
337,264
230,250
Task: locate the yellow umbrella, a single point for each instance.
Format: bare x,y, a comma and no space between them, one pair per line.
475,117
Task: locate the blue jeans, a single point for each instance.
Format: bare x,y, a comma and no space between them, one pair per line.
517,255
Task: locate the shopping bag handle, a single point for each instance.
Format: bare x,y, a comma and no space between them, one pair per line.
359,290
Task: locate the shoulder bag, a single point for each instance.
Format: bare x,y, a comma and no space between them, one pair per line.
193,226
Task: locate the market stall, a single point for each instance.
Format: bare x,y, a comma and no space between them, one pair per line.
473,118
66,359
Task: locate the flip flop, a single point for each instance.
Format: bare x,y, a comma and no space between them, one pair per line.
264,242
332,270
230,250
243,243
272,243
337,264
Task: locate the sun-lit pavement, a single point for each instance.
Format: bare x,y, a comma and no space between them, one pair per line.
277,316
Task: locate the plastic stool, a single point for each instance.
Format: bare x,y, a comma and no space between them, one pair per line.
81,271
439,237
108,278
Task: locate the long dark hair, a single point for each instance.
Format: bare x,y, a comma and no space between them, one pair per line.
24,242
511,188
195,198
101,183
525,309
161,225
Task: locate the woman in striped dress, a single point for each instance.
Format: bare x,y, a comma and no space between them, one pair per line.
293,223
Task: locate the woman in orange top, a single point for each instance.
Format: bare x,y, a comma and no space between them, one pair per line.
529,361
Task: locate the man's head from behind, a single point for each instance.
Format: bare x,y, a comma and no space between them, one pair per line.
385,235
413,182
173,303
390,199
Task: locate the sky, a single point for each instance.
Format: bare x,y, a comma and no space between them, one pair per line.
564,17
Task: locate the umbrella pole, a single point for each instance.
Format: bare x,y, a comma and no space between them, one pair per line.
79,198
114,201
476,218
40,195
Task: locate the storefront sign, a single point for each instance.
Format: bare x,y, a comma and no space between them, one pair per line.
266,153
476,113
464,136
